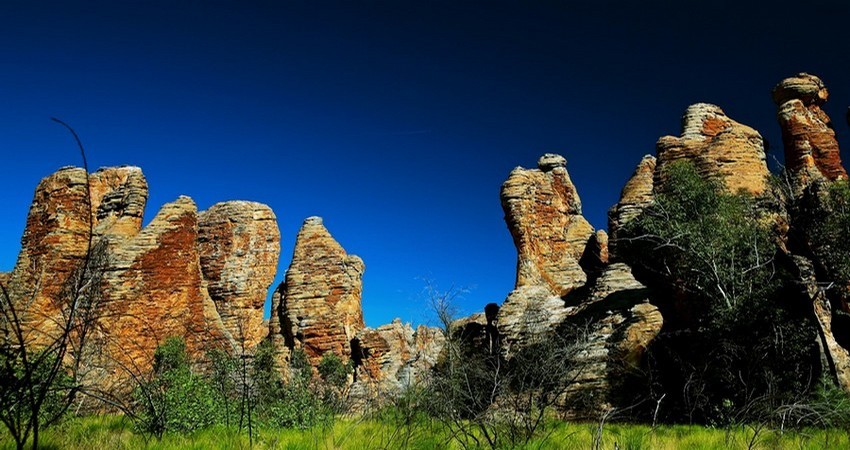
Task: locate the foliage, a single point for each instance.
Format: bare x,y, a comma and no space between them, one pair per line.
114,432
176,398
488,398
333,371
828,224
746,343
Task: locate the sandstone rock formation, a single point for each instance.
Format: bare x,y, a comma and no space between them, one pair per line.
318,306
622,323
393,357
811,150
543,214
56,236
637,194
720,147
146,284
239,245
152,288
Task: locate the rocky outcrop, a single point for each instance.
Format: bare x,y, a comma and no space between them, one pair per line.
239,246
152,288
617,324
637,194
720,148
811,150
543,213
393,357
56,237
144,285
318,306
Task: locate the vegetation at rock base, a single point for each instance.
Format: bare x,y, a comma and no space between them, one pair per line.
827,223
115,432
740,341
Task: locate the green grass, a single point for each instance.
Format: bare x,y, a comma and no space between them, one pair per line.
113,432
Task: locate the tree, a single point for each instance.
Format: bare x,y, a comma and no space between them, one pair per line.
737,335
39,379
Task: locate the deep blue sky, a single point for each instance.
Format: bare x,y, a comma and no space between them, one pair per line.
396,121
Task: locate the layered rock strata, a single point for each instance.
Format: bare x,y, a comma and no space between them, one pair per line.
57,235
239,245
637,194
143,285
317,307
543,213
719,147
393,357
811,150
152,288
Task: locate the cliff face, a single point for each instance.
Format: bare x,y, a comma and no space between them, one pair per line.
239,245
811,150
318,306
148,284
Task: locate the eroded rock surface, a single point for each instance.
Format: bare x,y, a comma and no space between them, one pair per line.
811,150
394,356
318,307
152,288
637,194
616,324
543,213
56,236
719,147
239,245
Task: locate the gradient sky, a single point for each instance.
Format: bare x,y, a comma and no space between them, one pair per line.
396,121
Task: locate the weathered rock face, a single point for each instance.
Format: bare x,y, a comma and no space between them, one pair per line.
720,147
636,195
152,288
835,359
146,284
319,307
811,150
56,237
543,212
620,323
239,244
393,357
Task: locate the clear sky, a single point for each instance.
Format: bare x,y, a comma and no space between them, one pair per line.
396,121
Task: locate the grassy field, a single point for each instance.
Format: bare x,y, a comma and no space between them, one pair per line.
110,432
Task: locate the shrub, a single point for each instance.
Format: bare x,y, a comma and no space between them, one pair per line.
175,399
746,341
333,371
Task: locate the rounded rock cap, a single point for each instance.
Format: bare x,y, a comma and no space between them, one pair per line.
550,161
804,87
313,220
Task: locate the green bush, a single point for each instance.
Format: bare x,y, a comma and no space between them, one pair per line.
738,339
333,371
828,225
175,398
